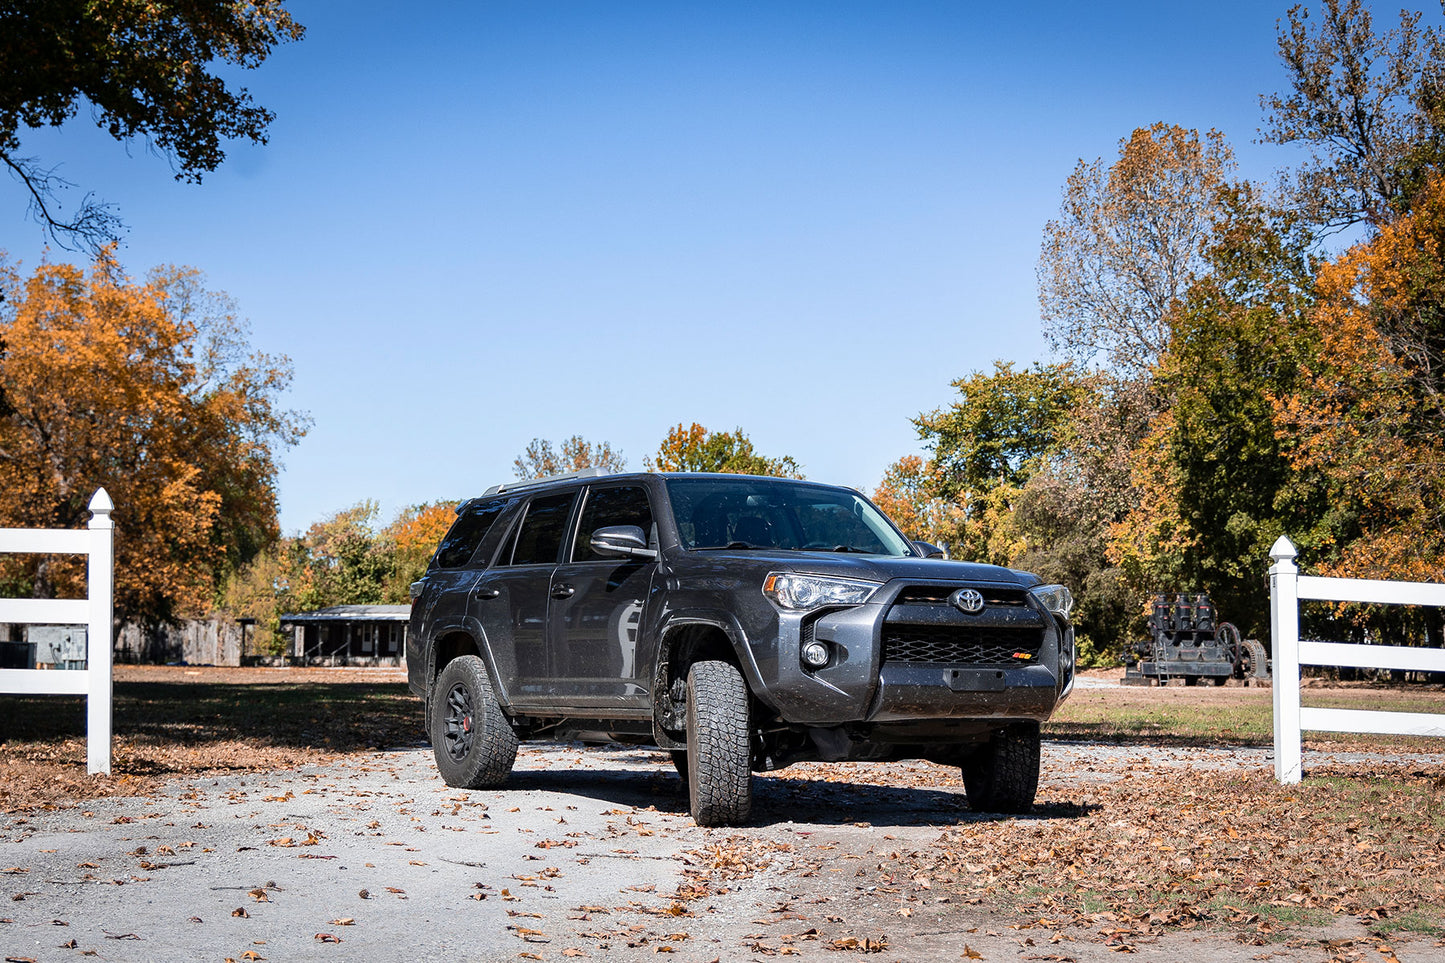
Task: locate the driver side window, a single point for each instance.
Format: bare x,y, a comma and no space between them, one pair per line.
623,505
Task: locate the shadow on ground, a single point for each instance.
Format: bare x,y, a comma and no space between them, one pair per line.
782,797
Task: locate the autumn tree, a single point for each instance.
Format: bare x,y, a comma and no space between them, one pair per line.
413,537
908,494
1369,410
1368,107
1214,488
1127,243
149,390
694,448
1018,464
148,71
997,428
575,454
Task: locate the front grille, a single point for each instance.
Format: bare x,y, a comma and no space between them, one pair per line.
938,595
960,645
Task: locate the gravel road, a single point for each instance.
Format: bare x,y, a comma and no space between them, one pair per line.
588,853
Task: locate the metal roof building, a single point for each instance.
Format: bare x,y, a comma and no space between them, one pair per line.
349,634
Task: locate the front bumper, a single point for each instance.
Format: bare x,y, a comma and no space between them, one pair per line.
909,656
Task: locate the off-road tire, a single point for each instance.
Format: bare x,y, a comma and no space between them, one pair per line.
1002,776
719,771
1258,660
472,741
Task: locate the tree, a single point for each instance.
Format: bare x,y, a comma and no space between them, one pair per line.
577,453
694,448
1369,107
1127,243
996,430
1026,482
413,537
1213,487
142,389
908,495
1368,411
145,70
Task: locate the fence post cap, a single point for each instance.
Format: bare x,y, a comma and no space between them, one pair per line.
100,509
1283,549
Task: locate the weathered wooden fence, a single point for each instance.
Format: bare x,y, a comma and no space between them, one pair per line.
94,612
1286,588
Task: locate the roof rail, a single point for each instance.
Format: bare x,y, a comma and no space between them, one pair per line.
530,482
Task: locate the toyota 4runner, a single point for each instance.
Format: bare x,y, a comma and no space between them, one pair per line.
743,623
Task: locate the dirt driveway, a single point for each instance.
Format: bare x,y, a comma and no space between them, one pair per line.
587,854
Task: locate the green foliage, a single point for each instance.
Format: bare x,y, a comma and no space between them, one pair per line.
341,560
143,70
695,448
1216,487
999,428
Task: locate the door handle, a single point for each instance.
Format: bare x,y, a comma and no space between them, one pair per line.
563,591
487,592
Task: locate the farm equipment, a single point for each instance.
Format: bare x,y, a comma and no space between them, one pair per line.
1187,641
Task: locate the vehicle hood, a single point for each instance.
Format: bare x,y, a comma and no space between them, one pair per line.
877,568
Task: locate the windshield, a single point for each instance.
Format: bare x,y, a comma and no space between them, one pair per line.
770,513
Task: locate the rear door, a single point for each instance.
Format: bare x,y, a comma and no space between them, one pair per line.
510,599
597,608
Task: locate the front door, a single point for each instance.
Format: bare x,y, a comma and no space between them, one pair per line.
597,608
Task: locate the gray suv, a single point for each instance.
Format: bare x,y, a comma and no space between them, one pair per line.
742,623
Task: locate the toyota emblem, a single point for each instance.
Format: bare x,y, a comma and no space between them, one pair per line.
967,600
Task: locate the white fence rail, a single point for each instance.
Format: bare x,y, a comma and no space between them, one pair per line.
94,612
1286,588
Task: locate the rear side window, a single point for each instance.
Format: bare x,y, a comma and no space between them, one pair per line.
540,537
625,505
466,534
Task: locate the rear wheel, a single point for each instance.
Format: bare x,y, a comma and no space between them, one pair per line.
472,741
719,770
1002,776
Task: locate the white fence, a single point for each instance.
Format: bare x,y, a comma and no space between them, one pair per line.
94,681
1286,588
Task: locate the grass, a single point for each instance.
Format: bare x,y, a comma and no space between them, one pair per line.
1229,716
165,729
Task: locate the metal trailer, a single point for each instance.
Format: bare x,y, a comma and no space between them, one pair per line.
1187,641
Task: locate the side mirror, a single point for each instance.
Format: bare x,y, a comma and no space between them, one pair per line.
625,540
929,550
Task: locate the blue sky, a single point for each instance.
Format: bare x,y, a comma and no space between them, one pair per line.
480,223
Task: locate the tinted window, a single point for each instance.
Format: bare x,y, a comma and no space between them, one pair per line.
466,534
540,537
772,513
627,505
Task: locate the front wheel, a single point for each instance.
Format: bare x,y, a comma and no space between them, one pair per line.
1002,776
472,741
719,765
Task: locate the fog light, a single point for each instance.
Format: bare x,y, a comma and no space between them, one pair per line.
815,655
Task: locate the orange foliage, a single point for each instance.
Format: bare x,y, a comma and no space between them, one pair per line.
1371,415
122,385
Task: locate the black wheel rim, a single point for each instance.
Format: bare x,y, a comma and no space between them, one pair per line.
460,722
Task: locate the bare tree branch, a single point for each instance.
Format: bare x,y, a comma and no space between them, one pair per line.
94,225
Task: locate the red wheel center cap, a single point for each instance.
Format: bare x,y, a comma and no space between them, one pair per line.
466,723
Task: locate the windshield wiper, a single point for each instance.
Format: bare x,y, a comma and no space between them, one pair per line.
732,545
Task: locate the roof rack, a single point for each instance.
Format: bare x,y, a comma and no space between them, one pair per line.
530,482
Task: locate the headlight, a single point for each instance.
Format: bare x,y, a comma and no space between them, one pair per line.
801,592
1056,598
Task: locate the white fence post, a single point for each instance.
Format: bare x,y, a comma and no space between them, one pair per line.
99,648
94,612
1284,627
1286,588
